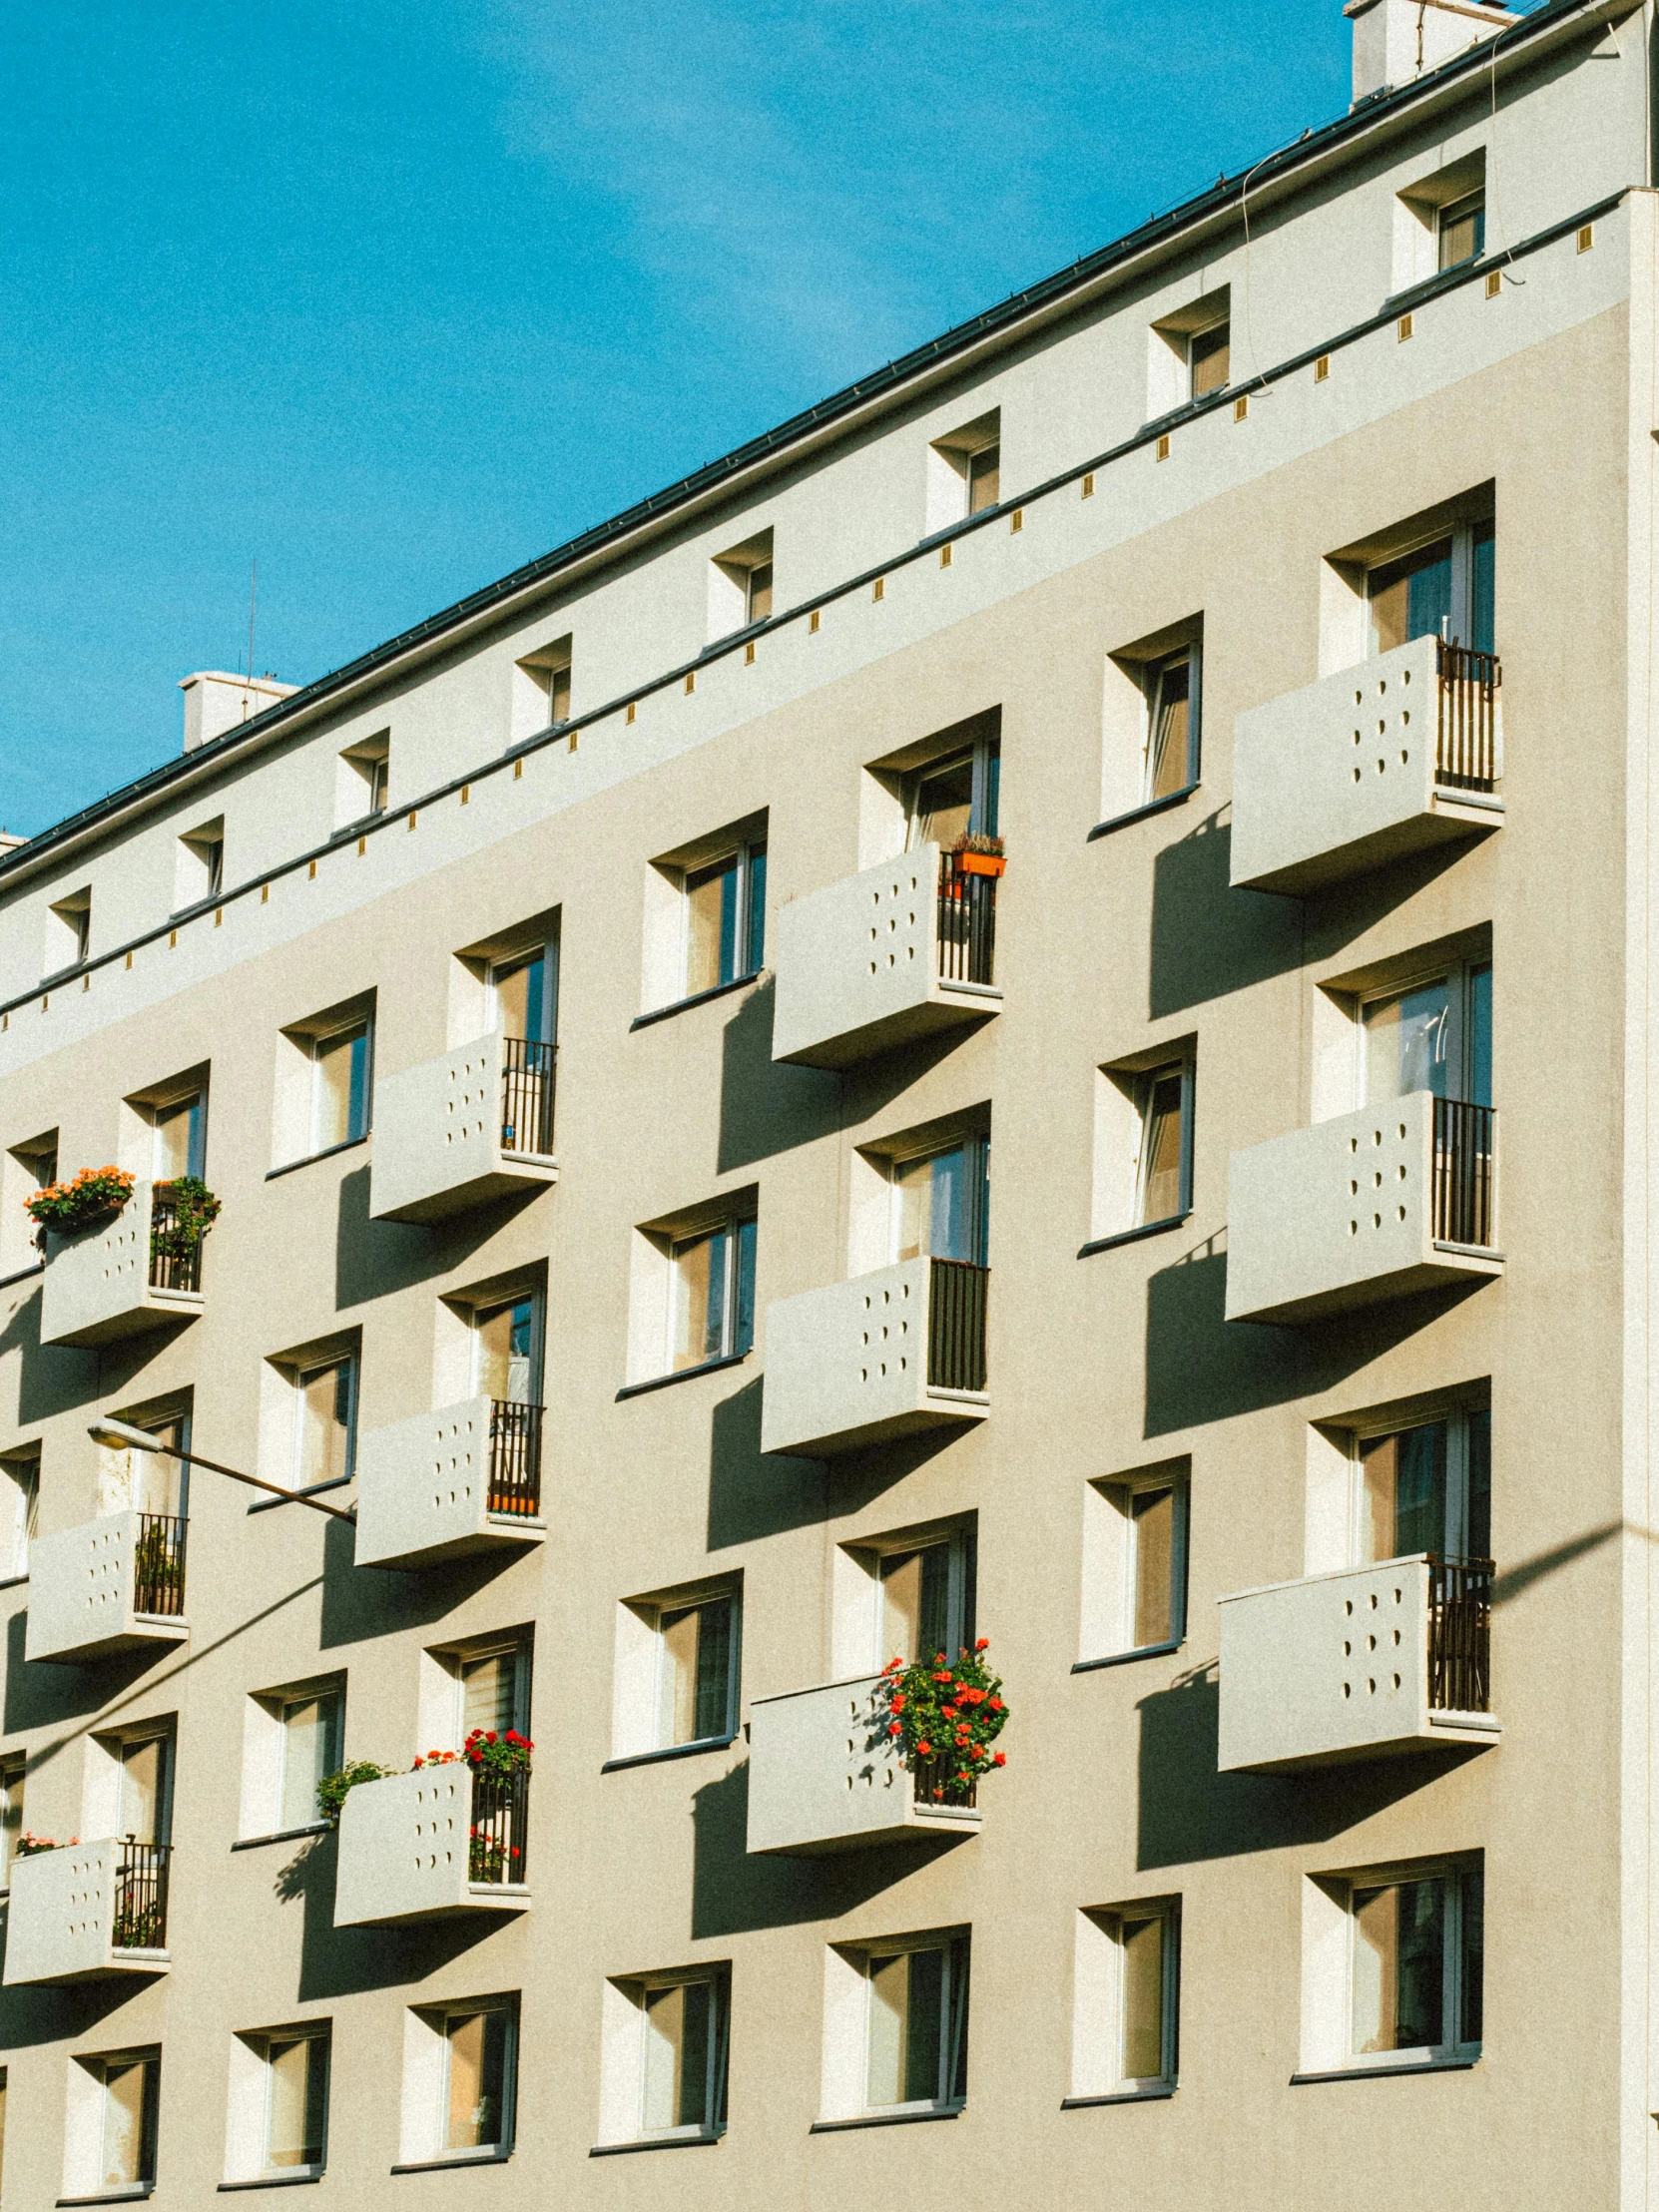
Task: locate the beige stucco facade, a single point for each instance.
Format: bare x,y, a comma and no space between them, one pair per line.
1108,1354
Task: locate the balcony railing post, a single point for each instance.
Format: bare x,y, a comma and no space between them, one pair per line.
170,1271
933,1781
1460,1635
158,1564
966,925
501,1828
515,1459
527,1069
956,1358
1467,749
141,1884
1465,1139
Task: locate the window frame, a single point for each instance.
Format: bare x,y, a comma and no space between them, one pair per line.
1464,538
109,2063
663,1613
22,1471
485,1309
1205,331
1457,1418
975,1148
1458,975
731,1227
1179,1489
1454,2049
457,1659
503,2144
716,1980
953,2022
309,2033
961,1545
1447,216
749,935
302,1372
1153,675
1166,1912
974,470
1146,1085
286,1702
984,802
361,1025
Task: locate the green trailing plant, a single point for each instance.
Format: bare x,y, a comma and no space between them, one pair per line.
93,1195
943,1721
333,1790
155,1563
191,1212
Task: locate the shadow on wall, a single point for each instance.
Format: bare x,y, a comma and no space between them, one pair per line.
340,1962
48,1694
52,1378
1207,938
766,1106
1189,1811
1201,1366
360,1602
750,1497
374,1257
34,2014
734,1894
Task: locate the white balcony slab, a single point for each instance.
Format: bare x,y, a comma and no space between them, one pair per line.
1341,778
822,1777
97,1283
81,1591
438,1138
62,1915
1333,1667
1339,1215
857,966
847,1366
423,1489
404,1852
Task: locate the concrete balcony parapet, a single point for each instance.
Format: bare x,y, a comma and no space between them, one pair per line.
473,1125
822,1777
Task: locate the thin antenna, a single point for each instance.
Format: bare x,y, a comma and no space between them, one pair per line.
252,602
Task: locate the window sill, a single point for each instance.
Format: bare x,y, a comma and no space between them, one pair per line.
309,1159
113,2196
275,2181
1124,1659
694,2139
1142,813
21,1275
697,998
1386,2073
672,1751
311,1490
682,1375
497,2158
1158,2094
1134,1236
886,2119
258,1843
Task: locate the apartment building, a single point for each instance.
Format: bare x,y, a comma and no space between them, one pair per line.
1182,737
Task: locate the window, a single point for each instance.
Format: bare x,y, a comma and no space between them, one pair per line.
663,2069
941,1203
926,1596
1128,1989
478,2068
1444,588
144,1788
12,1776
325,1421
1208,354
964,471
757,592
506,1352
340,1086
1155,1514
148,1482
312,1731
1423,1488
954,795
1171,688
1135,1561
522,989
180,1141
712,1294
19,1510
363,781
740,586
984,478
200,869
131,2103
1436,1036
1415,1957
1162,1174
725,918
296,2101
484,1686
68,933
696,1671
1462,230
915,2035
24,1169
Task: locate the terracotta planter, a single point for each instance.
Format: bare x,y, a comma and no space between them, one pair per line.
982,864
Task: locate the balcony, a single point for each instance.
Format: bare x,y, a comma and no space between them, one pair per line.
1366,1208
470,1125
859,1361
1357,1664
432,1844
463,1479
879,958
117,1278
108,1585
87,1909
1384,759
822,1777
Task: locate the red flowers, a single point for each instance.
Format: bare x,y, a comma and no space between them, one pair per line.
944,1720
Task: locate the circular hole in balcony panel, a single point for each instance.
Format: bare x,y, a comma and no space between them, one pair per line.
1356,776
1403,1213
1353,1228
1372,1687
1347,1606
1376,1221
1402,1129
1348,1689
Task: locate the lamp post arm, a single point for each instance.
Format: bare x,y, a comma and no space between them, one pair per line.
257,1482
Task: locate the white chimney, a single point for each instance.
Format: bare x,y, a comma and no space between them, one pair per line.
215,701
1397,40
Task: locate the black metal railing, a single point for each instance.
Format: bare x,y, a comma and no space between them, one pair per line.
139,1922
515,1459
501,1828
937,1782
957,1325
1465,750
968,924
526,1095
158,1564
1460,1635
171,1269
1465,1173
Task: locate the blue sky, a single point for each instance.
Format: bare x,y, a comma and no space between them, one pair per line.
397,298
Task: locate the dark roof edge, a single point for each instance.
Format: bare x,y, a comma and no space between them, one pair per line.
959,339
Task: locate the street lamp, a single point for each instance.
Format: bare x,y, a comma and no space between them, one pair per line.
123,1437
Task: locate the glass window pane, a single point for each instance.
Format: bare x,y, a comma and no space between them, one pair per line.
984,478
1399,1966
678,2024
1412,597
477,2079
912,1182
558,693
1141,1943
521,998
745,1236
143,1789
324,1423
298,2077
916,1603
889,2007
677,1682
11,1816
1164,1139
1471,1977
1209,353
1477,1079
700,1299
1153,1516
924,2028
1169,736
755,950
712,925
311,1739
1405,1044
943,807
714,1669
759,593
1486,588
1464,231
180,1129
489,1693
1480,1541
504,1359
1403,1494
340,1096
129,2123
